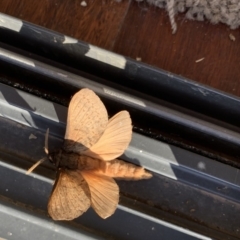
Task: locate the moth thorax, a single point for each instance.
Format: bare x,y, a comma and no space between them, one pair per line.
65,160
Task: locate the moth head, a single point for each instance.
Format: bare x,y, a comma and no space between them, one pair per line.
51,158
55,157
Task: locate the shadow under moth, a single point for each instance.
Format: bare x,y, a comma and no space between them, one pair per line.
86,164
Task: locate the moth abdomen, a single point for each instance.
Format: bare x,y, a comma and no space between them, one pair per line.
89,163
122,170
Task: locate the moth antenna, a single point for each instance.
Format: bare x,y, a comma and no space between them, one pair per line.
43,159
46,142
35,165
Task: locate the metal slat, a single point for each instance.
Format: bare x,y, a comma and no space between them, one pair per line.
145,110
119,69
188,187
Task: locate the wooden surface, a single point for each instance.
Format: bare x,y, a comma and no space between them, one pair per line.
138,30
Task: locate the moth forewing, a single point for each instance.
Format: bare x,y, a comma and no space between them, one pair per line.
87,119
70,197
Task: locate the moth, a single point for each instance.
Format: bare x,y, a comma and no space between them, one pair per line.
86,164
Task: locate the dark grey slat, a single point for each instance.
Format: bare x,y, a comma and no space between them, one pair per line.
156,156
205,181
34,191
146,111
19,222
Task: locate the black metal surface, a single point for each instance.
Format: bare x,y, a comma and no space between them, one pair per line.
121,70
18,150
128,76
187,190
150,115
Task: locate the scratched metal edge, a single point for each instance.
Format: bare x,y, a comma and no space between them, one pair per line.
155,156
212,132
121,70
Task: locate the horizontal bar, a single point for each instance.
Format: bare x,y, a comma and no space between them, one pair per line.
121,70
145,111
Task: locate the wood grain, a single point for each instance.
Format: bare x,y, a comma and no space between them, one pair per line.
98,23
151,39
